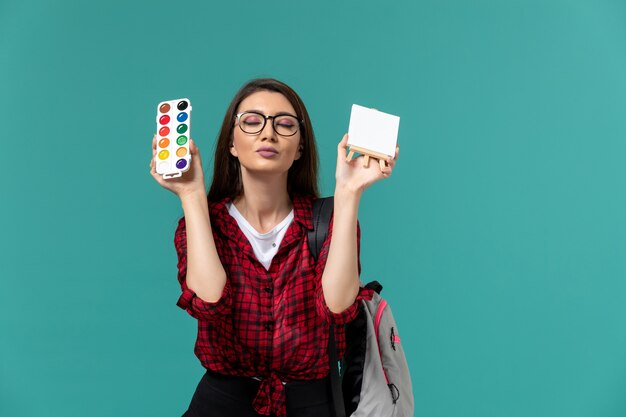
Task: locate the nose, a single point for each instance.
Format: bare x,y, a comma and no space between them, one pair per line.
268,130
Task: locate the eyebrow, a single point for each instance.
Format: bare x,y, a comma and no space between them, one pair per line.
280,113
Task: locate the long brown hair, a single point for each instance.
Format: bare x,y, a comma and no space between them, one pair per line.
302,176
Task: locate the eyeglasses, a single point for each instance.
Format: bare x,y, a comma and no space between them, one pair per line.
252,122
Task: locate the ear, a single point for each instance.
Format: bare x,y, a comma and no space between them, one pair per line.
299,153
233,151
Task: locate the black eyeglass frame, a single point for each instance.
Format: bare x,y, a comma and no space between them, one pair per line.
264,117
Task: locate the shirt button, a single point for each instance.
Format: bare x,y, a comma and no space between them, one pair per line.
268,326
268,289
273,245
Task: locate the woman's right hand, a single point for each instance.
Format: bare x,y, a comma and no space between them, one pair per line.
190,182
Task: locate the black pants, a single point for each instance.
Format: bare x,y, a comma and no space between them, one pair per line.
221,396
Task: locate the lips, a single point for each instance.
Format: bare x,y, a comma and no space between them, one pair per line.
267,151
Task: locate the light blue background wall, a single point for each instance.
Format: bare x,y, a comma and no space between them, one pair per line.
500,238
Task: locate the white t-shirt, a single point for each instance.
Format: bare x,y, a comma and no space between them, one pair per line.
264,245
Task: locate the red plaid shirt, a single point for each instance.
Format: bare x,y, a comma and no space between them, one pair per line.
269,324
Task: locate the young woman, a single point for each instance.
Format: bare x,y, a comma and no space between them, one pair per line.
263,305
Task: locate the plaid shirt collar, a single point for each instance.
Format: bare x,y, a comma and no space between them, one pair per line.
301,212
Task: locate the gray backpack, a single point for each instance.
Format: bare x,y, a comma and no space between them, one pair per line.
374,380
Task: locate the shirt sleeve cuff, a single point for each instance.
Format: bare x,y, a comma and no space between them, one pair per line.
204,310
349,313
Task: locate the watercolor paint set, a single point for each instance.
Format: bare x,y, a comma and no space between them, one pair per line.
173,132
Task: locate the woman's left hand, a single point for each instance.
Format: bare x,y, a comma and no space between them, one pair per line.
354,176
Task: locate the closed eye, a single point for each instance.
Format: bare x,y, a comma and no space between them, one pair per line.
252,120
286,122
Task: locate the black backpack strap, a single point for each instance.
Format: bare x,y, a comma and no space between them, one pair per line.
335,379
322,212
374,285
